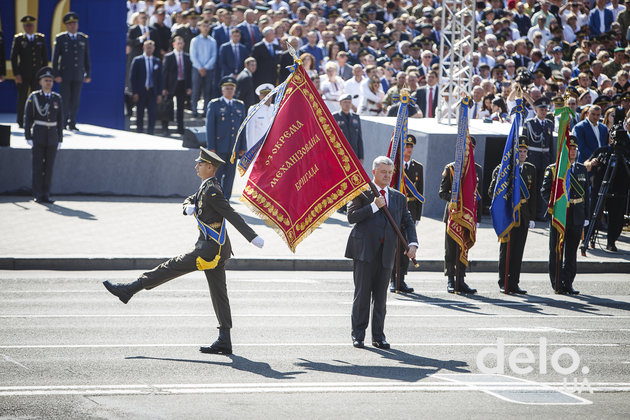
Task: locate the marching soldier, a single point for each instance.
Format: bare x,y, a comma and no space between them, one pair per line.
71,64
43,130
539,133
414,171
451,256
225,115
28,55
518,234
575,222
212,250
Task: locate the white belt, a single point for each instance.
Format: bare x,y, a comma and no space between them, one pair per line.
538,149
45,123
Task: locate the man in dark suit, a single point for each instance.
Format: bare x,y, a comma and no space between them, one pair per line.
372,244
518,234
225,115
245,90
232,55
595,23
587,139
250,34
520,56
427,96
414,171
28,55
145,79
575,221
221,32
286,59
267,57
211,252
71,64
177,79
452,264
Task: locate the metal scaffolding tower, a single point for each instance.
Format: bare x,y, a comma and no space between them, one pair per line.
456,49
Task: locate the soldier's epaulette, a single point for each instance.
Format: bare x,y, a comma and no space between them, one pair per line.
82,34
40,34
216,99
530,164
238,100
18,35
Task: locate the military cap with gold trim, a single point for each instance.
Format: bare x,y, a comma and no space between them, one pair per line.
625,96
212,158
602,100
558,101
228,81
542,102
397,56
522,142
572,91
28,19
573,141
411,140
70,17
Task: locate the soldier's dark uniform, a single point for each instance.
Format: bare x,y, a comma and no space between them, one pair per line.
187,32
451,256
350,125
209,255
415,172
222,123
518,234
71,62
541,150
27,57
43,125
576,214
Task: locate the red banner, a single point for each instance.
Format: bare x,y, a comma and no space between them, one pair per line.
462,222
305,170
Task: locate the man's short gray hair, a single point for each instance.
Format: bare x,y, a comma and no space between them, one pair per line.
381,160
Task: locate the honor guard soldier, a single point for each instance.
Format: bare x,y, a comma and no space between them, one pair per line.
451,256
350,125
225,115
539,133
211,252
565,264
71,64
518,234
28,55
414,171
43,130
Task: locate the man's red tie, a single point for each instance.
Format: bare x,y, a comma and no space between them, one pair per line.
180,69
383,194
251,35
430,110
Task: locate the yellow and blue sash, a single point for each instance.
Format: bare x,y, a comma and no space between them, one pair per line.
210,232
412,189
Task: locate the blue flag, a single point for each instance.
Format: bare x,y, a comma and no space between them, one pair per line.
506,198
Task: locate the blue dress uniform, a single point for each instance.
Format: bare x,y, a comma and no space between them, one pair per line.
71,62
222,122
28,55
43,125
576,215
541,152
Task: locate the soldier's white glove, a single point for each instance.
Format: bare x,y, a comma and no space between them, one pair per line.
258,242
58,146
190,209
30,142
478,224
532,224
586,222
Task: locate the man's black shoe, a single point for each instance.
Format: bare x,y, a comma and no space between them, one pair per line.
381,344
38,200
517,290
502,289
570,290
392,286
358,343
450,286
48,200
404,288
124,292
612,248
464,288
218,347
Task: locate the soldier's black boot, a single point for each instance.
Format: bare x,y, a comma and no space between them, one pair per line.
464,288
450,285
123,291
392,286
404,288
223,345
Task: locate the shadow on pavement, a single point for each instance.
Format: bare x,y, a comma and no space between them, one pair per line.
237,362
413,369
442,303
65,211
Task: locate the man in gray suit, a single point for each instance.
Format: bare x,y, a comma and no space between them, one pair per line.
71,65
372,246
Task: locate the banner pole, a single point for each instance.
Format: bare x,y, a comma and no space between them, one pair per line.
398,271
393,223
457,269
507,266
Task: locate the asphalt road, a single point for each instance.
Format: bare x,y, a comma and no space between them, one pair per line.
68,349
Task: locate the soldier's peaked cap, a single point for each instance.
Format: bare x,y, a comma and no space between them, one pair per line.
70,17
206,155
28,19
411,140
45,72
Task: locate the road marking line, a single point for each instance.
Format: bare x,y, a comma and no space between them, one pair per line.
10,360
445,385
515,390
344,344
520,329
299,315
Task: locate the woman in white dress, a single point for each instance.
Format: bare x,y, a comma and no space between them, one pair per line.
332,87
